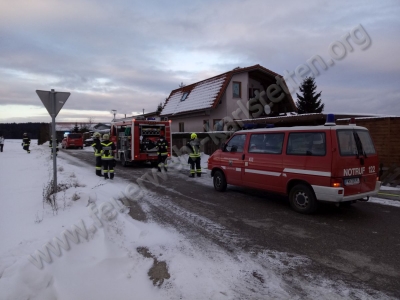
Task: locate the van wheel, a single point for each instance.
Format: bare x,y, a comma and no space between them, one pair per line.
302,199
219,181
124,163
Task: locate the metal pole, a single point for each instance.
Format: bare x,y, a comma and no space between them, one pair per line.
53,125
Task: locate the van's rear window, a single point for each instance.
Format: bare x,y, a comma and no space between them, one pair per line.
347,139
75,136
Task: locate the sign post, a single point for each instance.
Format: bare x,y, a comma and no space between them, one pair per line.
53,101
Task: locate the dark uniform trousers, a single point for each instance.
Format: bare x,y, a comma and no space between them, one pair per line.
97,153
162,152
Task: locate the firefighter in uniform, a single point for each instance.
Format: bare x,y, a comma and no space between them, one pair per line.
51,145
162,152
107,156
194,155
26,141
97,152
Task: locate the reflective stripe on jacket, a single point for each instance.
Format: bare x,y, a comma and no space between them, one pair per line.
97,147
107,148
51,143
194,147
26,141
162,147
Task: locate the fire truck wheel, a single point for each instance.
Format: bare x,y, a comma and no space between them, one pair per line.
219,181
302,199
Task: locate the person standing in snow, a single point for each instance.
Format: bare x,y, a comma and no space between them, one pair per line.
26,141
107,156
51,145
162,152
194,155
1,143
97,152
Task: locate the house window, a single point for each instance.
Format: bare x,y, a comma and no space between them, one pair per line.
218,124
237,89
184,96
181,127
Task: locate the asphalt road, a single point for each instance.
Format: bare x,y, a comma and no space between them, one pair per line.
358,245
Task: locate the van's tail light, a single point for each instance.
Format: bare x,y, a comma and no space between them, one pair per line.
336,182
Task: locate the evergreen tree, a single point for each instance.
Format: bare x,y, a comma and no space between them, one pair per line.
309,102
159,107
76,128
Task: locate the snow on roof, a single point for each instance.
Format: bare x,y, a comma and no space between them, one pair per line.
70,126
201,96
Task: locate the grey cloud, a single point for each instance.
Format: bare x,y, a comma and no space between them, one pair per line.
122,54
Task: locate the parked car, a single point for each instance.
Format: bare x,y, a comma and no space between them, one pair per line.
72,140
88,142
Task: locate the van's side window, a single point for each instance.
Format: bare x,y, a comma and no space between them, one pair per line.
236,143
270,143
306,143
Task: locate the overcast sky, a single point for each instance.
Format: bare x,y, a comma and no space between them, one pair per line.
129,55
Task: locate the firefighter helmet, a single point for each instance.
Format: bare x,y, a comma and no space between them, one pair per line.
25,133
97,135
193,136
106,136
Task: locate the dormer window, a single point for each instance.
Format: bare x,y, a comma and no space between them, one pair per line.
184,96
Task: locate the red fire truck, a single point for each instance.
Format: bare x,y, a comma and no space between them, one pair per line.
136,139
331,163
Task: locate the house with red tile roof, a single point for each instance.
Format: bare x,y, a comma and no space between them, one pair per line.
215,103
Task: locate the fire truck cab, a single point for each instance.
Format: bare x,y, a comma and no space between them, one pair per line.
136,139
331,163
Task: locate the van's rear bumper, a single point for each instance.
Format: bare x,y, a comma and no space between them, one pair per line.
331,194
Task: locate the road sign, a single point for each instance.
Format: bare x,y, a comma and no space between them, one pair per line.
59,100
53,101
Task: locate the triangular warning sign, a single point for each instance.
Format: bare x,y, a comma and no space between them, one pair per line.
59,100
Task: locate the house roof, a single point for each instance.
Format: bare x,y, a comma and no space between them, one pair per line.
69,126
205,94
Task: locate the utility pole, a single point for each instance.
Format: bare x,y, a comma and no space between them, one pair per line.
114,112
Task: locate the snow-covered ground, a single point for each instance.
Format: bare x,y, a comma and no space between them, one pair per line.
105,254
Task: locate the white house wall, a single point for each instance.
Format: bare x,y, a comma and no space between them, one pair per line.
236,107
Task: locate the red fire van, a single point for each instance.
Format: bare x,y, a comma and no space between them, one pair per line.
332,163
74,140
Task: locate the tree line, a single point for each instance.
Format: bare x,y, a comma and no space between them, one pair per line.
16,130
